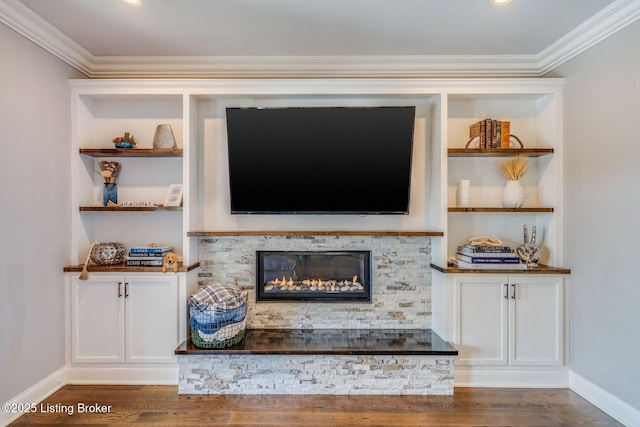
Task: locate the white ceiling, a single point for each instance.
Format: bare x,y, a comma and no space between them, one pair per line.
196,37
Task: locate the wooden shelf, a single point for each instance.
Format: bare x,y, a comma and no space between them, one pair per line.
131,152
499,152
541,269
130,208
486,209
121,268
315,233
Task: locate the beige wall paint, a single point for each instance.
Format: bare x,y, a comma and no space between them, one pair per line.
34,218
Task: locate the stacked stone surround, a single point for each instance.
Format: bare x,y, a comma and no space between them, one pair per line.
319,374
400,275
401,299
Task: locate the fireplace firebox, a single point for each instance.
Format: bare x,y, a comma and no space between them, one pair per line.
320,276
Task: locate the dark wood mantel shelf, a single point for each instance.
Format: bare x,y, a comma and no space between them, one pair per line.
333,342
221,233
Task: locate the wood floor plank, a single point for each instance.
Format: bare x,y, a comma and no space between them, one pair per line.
160,406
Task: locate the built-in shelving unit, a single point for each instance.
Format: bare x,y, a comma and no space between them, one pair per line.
445,108
534,110
508,324
100,112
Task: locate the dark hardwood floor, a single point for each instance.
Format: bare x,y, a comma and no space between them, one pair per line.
162,406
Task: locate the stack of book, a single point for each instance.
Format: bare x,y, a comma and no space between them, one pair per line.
488,257
492,133
147,256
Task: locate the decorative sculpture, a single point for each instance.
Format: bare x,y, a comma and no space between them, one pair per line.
528,252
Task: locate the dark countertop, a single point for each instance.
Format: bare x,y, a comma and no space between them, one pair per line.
333,342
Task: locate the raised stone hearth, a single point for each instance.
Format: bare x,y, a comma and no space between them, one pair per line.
280,361
320,347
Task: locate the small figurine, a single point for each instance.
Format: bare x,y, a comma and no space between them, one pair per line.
528,252
170,260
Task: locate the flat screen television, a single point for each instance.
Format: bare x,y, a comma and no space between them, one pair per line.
320,160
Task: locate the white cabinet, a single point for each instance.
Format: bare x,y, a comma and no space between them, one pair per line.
508,320
125,319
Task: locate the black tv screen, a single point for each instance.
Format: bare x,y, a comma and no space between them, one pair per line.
320,160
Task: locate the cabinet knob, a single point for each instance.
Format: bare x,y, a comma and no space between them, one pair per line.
506,291
119,289
126,289
513,294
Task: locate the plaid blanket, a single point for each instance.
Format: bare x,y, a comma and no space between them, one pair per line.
218,298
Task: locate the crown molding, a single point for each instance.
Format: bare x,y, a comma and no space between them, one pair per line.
610,20
30,25
314,66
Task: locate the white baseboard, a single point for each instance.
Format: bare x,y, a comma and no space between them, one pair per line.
485,376
34,394
605,401
125,375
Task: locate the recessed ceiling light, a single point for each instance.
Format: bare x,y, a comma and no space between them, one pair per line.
500,2
133,2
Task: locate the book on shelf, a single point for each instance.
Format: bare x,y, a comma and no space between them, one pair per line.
491,133
489,266
494,134
488,260
145,258
149,249
478,129
485,249
147,255
486,254
143,262
505,134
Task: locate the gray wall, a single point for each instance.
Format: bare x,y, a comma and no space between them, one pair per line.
602,211
35,217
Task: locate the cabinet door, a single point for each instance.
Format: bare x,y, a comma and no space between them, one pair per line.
480,320
97,321
536,323
151,318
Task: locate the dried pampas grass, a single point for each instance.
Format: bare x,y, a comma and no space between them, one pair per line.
514,169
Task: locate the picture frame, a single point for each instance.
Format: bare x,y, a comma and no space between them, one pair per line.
174,195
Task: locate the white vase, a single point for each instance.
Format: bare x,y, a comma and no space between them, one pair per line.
513,196
163,138
463,194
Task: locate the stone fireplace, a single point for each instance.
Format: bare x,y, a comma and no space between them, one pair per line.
400,280
318,276
294,346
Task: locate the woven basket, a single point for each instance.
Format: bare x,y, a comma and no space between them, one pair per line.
198,341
